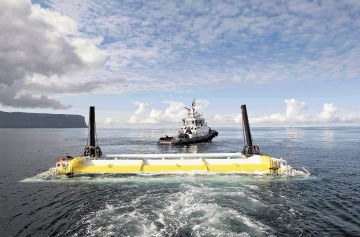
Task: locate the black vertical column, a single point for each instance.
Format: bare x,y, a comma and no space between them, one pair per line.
246,125
92,129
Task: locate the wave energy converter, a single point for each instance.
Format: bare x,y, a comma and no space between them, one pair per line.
249,161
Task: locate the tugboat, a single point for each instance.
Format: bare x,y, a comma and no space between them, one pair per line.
193,130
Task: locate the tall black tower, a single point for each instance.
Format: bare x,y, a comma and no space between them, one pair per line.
249,149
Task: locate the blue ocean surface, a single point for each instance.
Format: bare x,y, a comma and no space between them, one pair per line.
326,203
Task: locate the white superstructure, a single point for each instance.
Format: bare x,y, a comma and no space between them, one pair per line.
194,129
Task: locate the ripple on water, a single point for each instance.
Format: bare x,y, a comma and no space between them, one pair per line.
190,209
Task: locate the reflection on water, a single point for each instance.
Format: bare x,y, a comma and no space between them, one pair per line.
193,148
328,136
294,133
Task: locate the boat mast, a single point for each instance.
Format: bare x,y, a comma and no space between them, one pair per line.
192,113
249,148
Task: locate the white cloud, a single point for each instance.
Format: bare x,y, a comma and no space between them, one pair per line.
173,113
37,41
108,120
295,114
62,25
142,107
294,108
88,51
328,114
350,118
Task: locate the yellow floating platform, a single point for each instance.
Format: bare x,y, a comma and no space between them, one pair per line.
250,161
173,163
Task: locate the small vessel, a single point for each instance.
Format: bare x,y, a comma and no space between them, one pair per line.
193,130
249,161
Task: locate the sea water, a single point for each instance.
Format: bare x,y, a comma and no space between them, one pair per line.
326,203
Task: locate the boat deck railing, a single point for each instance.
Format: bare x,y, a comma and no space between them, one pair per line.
176,156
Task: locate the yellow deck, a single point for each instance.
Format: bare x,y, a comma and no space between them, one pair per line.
85,165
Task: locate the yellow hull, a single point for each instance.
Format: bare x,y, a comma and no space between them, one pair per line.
254,164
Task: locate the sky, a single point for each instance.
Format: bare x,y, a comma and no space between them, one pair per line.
141,62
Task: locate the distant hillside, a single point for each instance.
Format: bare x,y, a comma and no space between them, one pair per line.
34,120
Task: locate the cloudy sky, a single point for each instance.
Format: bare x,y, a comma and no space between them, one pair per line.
143,61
